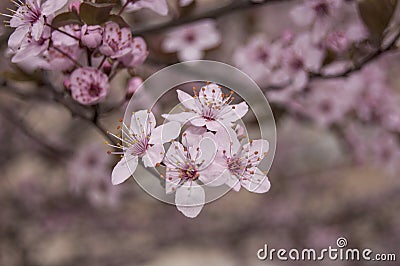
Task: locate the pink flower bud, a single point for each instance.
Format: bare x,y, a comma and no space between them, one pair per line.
91,36
107,67
67,83
133,85
337,42
74,6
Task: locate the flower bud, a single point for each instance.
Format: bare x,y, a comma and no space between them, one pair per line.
133,85
91,36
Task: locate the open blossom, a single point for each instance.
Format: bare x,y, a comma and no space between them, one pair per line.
142,140
119,44
257,58
89,85
91,35
210,107
30,19
189,165
30,48
240,163
158,6
190,41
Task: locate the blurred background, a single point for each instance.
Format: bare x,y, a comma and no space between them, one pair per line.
335,172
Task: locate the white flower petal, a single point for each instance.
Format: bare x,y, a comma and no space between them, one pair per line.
258,147
187,100
190,53
190,199
165,133
182,118
142,122
208,151
258,183
192,136
51,6
214,175
153,156
124,169
17,37
237,112
227,140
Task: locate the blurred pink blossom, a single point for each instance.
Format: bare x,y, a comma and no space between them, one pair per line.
158,6
89,85
89,172
192,40
74,5
133,84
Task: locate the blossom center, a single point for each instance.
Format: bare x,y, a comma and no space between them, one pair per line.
94,90
322,9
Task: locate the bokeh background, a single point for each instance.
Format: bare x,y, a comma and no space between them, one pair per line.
58,207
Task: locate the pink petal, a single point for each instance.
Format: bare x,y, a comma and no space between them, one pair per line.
259,147
190,53
237,112
165,133
37,29
213,175
188,101
258,183
232,181
142,121
192,136
227,140
153,156
124,169
302,15
51,6
198,121
17,37
208,151
190,199
182,118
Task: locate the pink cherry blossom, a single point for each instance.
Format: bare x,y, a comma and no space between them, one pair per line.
297,60
258,58
240,163
190,41
30,18
327,101
188,166
158,6
119,44
210,108
89,85
31,48
318,13
142,140
91,36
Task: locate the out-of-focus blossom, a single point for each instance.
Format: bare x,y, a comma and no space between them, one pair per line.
119,44
74,6
374,145
133,84
210,107
89,176
89,85
184,3
190,41
318,13
327,101
257,58
30,19
91,36
59,38
62,58
186,165
143,140
337,41
158,6
297,60
240,163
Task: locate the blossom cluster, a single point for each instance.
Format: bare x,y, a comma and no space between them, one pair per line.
209,152
86,48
